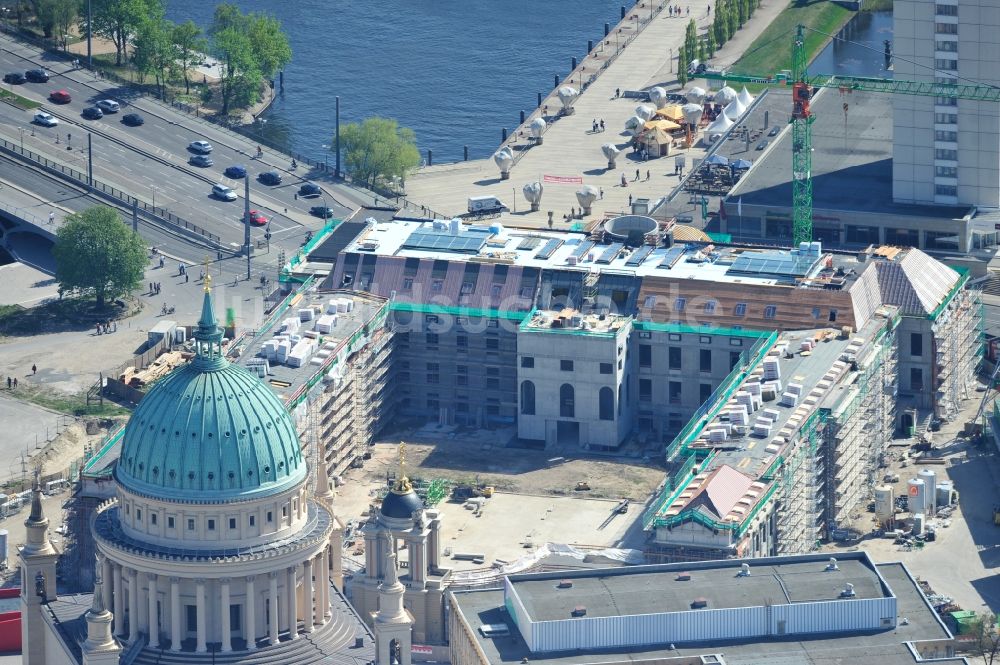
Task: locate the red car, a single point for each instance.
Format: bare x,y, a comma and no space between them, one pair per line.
257,218
60,97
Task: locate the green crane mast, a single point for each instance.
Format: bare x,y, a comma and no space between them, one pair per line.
803,86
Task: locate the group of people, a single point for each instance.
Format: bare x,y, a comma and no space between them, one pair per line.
675,10
105,328
597,125
154,288
637,176
11,383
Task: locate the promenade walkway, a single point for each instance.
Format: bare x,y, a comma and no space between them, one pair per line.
570,148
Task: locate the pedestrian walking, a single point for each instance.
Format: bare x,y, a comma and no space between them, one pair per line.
709,13
187,278
624,181
630,200
34,369
637,174
602,124
618,93
150,288
689,10
8,383
161,261
602,193
15,383
52,217
647,174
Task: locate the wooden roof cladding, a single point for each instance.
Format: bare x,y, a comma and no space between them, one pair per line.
794,307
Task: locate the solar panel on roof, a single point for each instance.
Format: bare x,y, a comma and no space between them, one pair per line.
639,255
773,263
671,258
610,253
583,248
529,243
549,249
468,242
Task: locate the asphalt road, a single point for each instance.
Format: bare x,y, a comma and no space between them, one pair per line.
151,162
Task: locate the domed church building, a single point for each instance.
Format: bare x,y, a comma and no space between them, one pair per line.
216,547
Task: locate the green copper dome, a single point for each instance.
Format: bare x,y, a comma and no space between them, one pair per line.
210,431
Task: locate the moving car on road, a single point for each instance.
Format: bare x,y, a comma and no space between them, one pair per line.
257,218
92,113
203,147
321,211
15,78
236,171
270,178
37,75
201,160
223,192
109,106
132,119
45,119
310,190
60,97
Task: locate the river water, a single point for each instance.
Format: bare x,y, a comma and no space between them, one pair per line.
858,48
455,71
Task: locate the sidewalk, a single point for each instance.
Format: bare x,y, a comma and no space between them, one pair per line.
734,49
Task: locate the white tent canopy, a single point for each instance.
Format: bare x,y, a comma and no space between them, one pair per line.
745,97
721,124
734,110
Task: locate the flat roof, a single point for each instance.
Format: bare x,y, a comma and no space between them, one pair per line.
871,648
851,162
561,321
286,380
632,591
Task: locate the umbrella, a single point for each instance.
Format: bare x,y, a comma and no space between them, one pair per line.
695,93
673,112
665,125
717,160
725,96
741,164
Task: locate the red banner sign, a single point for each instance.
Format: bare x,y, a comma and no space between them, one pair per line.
563,179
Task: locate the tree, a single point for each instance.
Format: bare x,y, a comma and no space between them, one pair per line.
188,41
378,149
719,23
683,60
119,20
55,16
983,630
154,52
702,54
96,254
250,47
710,45
691,39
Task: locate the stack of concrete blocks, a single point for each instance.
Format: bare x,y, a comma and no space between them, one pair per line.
326,323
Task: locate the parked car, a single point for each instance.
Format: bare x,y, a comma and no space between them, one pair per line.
201,160
310,190
92,113
762,144
132,119
109,106
223,192
16,78
203,147
236,171
45,119
270,178
60,97
37,75
257,218
321,211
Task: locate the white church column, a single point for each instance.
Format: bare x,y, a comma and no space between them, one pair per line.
224,615
175,614
119,601
250,629
318,603
133,605
307,595
200,609
327,612
107,576
154,623
293,609
272,604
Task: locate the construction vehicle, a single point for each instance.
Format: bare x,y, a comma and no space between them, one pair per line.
582,486
465,492
803,87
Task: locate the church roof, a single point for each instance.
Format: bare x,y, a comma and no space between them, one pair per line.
210,431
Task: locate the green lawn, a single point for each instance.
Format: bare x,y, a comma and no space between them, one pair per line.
18,100
74,405
771,52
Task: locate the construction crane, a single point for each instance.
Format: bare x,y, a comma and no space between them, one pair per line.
803,86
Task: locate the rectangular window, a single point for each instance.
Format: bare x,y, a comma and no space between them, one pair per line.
649,302
674,392
495,290
407,284
674,357
946,171
710,307
674,337
734,359
916,344
252,520
770,312
645,355
284,511
946,64
211,525
436,285
946,190
735,341
566,365
432,367
705,360
946,101
946,28
645,334
152,518
461,380
492,371
462,369
946,45
466,288
946,10
740,309
492,384
432,339
946,118
946,154
944,135
232,522
527,362
270,517
680,304
432,318
492,344
492,323
433,378
170,522
704,392
645,390
462,341
916,378
190,525
138,514
833,316
607,368
704,339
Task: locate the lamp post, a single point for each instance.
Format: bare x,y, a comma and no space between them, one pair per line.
90,54
21,129
153,187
